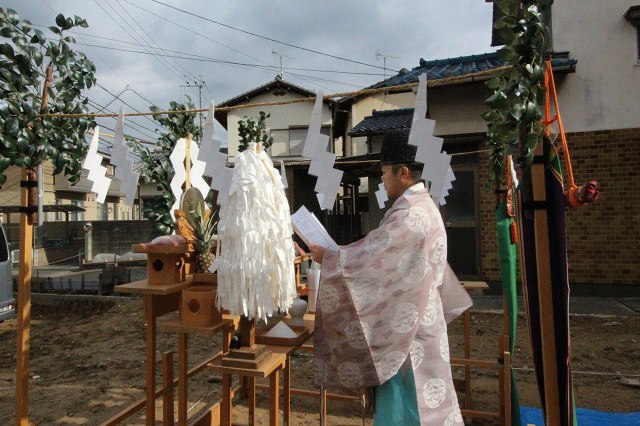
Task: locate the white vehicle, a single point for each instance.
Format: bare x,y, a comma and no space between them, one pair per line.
7,302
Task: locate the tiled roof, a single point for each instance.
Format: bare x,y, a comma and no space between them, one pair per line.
381,121
443,68
460,67
274,84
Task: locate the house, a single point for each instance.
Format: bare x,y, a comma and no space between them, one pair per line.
59,191
597,78
67,207
601,114
455,100
288,124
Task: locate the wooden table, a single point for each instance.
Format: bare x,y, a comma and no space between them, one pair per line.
270,369
466,318
159,299
227,326
287,390
309,322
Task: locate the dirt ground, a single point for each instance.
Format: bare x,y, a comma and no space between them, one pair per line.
88,363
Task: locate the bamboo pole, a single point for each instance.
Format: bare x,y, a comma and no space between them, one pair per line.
23,331
545,296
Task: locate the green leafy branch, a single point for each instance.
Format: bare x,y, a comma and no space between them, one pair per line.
518,99
28,140
156,166
252,130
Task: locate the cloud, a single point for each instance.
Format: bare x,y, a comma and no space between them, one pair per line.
406,30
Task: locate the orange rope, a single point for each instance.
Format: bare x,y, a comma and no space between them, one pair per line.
550,85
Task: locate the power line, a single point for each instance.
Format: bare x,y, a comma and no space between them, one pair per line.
265,37
192,31
168,65
258,67
223,62
154,42
130,123
132,37
142,97
194,55
109,92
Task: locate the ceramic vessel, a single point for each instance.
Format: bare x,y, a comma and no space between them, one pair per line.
297,310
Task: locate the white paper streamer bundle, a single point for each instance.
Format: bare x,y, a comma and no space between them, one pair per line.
256,275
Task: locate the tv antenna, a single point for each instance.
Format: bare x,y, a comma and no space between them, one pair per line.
280,55
384,57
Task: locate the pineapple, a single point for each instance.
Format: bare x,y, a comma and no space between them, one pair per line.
204,227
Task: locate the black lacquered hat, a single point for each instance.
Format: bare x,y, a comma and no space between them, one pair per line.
396,149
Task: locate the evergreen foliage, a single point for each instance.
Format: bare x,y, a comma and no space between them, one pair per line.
517,103
156,166
252,130
26,58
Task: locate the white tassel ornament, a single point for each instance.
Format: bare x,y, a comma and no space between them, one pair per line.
256,277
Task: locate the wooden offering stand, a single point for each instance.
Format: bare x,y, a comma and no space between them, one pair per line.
249,362
165,258
249,355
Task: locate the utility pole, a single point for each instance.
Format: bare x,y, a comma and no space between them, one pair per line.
384,57
199,84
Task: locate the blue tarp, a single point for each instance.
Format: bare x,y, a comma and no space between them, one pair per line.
533,416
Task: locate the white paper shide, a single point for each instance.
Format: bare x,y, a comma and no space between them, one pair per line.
256,276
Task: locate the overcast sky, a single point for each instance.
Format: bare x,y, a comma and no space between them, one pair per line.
403,31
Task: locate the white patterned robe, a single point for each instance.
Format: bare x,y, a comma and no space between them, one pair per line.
379,302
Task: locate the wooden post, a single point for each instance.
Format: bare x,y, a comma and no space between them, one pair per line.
250,389
247,332
167,384
545,296
183,344
507,385
466,316
274,390
23,331
24,310
150,312
187,161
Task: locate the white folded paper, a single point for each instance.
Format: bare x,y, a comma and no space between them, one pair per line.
309,228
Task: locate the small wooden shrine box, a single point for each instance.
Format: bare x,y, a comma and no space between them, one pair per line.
165,259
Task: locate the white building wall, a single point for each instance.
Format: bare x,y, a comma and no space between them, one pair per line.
603,93
282,116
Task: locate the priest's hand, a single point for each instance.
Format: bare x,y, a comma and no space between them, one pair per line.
317,252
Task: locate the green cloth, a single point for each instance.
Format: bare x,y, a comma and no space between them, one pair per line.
396,402
507,252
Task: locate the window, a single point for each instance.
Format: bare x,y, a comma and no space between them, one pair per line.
288,142
77,215
632,15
